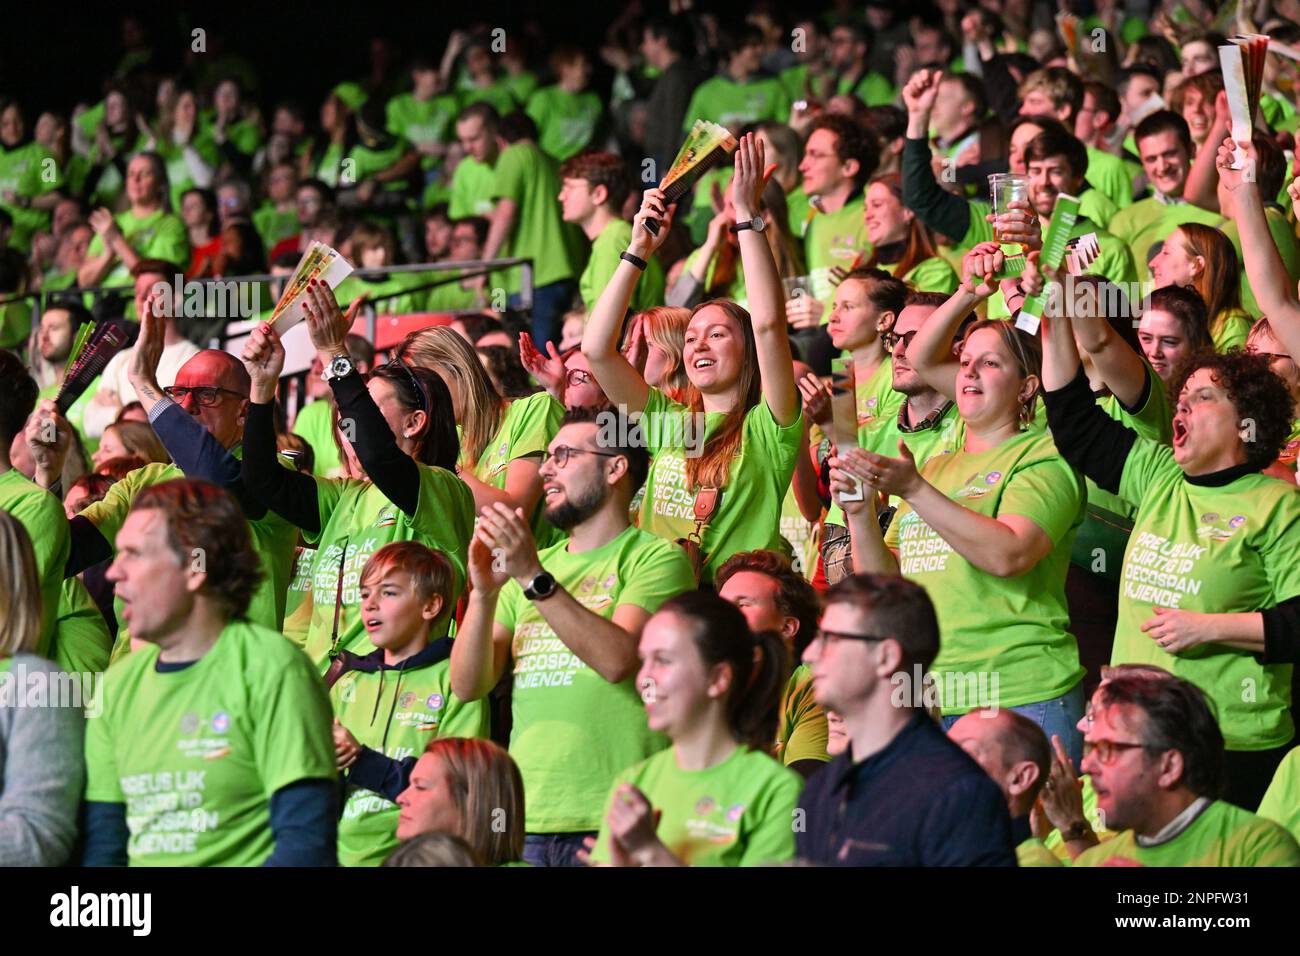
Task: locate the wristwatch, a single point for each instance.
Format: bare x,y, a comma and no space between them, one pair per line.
758,224
540,587
1076,831
339,367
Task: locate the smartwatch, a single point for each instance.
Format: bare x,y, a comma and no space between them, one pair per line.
339,367
540,587
757,224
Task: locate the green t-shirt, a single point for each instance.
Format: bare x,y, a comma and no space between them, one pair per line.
800,534
834,239
498,94
802,733
531,179
798,210
471,189
932,275
1281,802
1106,174
1148,222
25,172
1105,531
396,712
606,249
159,235
388,294
315,424
1216,550
273,540
297,601
423,121
876,401
748,513
1223,835
1035,853
273,225
82,643
565,121
1284,237
728,103
526,431
356,520
42,516
15,323
572,729
196,754
1009,632
365,163
1232,331
179,177
873,89
737,813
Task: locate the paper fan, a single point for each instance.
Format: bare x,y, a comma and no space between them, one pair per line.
706,145
319,262
1242,59
97,343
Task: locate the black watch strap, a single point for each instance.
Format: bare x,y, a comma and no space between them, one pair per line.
635,260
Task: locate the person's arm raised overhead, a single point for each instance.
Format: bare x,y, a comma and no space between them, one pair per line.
1203,178
288,493
763,282
930,354
622,383
1265,271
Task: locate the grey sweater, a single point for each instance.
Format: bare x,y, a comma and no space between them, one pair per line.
42,767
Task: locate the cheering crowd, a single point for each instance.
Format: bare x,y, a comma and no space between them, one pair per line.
759,528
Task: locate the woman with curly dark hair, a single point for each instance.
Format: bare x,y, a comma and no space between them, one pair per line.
1209,587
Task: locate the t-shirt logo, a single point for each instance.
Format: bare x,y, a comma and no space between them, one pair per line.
387,518
1237,521
349,693
704,806
610,581
434,702
992,477
190,723
220,722
734,814
407,700
1209,517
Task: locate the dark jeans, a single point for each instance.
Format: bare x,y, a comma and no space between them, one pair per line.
553,849
1248,773
550,302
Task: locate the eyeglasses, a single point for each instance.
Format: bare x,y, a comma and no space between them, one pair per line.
562,454
204,395
826,636
1108,750
420,395
890,340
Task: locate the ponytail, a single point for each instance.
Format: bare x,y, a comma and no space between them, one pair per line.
754,707
760,664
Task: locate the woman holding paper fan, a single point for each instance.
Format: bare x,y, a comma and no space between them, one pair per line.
398,433
989,526
903,245
724,459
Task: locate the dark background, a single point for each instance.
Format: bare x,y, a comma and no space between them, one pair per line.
54,56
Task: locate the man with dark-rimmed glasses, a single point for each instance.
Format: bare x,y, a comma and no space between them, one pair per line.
569,618
1154,753
903,794
200,421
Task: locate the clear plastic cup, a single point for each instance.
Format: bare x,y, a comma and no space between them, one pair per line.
1003,189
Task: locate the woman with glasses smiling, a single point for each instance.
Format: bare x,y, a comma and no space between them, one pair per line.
399,437
989,525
